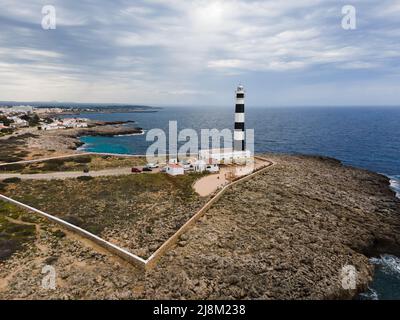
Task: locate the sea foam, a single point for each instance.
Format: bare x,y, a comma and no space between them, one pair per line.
395,184
388,263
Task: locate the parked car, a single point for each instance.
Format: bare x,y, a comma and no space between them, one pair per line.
147,169
152,165
86,170
136,170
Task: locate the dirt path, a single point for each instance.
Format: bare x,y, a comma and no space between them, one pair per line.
69,174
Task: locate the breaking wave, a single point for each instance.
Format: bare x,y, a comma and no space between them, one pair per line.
371,294
395,184
388,264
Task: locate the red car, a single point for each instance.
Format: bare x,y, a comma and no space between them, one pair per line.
136,170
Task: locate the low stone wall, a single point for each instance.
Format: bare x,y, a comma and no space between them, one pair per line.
137,261
152,260
126,255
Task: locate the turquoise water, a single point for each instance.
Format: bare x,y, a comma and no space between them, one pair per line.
103,144
363,137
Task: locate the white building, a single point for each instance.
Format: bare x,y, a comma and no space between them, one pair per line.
224,156
65,123
201,166
212,168
74,123
174,169
19,123
51,126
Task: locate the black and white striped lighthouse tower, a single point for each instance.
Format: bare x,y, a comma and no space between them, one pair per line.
239,134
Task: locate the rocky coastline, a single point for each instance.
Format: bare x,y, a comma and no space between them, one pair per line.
285,234
31,143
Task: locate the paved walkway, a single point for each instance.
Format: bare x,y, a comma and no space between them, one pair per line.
210,183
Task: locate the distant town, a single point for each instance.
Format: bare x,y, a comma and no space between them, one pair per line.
54,117
16,117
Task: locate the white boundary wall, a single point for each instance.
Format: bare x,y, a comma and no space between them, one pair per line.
124,254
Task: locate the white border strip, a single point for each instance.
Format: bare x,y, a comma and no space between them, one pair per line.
124,254
140,262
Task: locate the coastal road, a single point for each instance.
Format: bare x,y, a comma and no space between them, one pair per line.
74,155
71,174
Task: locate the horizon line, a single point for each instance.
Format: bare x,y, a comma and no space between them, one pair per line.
197,105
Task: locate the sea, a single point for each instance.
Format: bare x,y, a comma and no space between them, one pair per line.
364,137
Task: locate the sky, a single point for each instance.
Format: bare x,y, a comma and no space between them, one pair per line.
195,52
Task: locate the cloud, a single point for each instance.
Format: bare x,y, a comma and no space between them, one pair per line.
177,51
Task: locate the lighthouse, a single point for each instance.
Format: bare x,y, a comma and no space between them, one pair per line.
239,133
239,154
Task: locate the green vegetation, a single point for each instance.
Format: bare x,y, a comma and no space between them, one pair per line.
13,234
12,180
15,167
83,159
6,121
33,119
12,149
78,163
142,210
59,234
84,178
6,131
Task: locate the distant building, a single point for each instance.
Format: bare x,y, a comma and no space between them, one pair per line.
51,126
65,123
174,169
19,123
48,110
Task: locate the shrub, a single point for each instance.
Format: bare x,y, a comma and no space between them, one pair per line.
52,167
59,234
83,159
9,158
12,167
12,180
59,162
2,186
84,178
